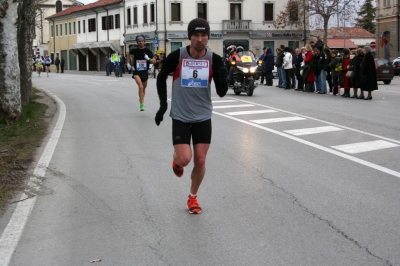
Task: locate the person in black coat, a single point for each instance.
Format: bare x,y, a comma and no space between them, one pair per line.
57,63
263,69
327,68
268,66
62,64
368,74
297,68
356,68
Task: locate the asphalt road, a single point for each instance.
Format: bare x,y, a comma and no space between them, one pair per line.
307,179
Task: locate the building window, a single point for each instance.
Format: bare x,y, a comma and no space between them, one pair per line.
293,11
52,31
236,12
107,23
135,15
202,10
56,30
66,28
175,12
117,21
386,3
83,26
128,17
268,12
175,45
60,29
294,44
152,13
74,27
92,24
145,14
79,26
270,44
69,28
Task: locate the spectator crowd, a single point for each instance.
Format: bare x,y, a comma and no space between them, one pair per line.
350,74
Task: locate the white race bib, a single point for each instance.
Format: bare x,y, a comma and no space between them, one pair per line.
195,73
141,65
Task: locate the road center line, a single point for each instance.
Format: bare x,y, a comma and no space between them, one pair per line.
13,231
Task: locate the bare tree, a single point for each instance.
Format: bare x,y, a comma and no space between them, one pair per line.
297,13
10,97
41,8
26,31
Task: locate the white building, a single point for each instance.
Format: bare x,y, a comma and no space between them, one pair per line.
46,8
112,25
249,23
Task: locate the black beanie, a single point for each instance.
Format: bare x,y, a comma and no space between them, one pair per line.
198,25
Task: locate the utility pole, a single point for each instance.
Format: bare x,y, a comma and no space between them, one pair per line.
304,22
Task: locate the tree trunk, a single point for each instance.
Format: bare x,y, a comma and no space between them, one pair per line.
326,21
10,96
26,27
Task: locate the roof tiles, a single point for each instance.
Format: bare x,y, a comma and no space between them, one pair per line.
74,9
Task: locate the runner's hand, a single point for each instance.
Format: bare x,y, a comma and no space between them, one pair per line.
161,112
146,57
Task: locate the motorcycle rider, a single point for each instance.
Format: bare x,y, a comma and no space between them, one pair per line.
234,57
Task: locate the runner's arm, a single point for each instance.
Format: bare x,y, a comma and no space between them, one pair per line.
220,75
169,65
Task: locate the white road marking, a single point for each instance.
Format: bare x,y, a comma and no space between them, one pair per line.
15,226
312,130
278,120
251,112
354,148
320,147
232,106
92,82
224,101
13,231
325,122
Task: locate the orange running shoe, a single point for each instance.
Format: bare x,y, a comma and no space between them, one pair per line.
178,170
192,204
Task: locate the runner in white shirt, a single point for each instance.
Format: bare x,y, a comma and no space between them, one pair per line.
47,62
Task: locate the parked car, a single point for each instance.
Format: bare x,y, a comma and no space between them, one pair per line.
384,70
275,71
396,66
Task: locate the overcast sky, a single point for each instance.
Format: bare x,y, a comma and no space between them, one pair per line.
87,1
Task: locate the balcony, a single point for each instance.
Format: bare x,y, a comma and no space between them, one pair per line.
236,25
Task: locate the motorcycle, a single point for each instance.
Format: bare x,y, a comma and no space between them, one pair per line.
245,73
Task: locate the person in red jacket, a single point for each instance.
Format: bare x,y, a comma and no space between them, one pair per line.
310,79
346,81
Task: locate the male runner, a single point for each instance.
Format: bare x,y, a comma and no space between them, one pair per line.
47,62
39,65
193,68
142,58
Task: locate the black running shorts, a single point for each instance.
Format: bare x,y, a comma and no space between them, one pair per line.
183,132
144,75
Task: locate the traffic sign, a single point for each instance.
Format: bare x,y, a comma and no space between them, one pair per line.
155,43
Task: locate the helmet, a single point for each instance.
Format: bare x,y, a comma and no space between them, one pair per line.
239,49
140,38
231,49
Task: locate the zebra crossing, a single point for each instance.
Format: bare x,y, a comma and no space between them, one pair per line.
266,117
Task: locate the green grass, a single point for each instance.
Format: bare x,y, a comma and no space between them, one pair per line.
19,140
